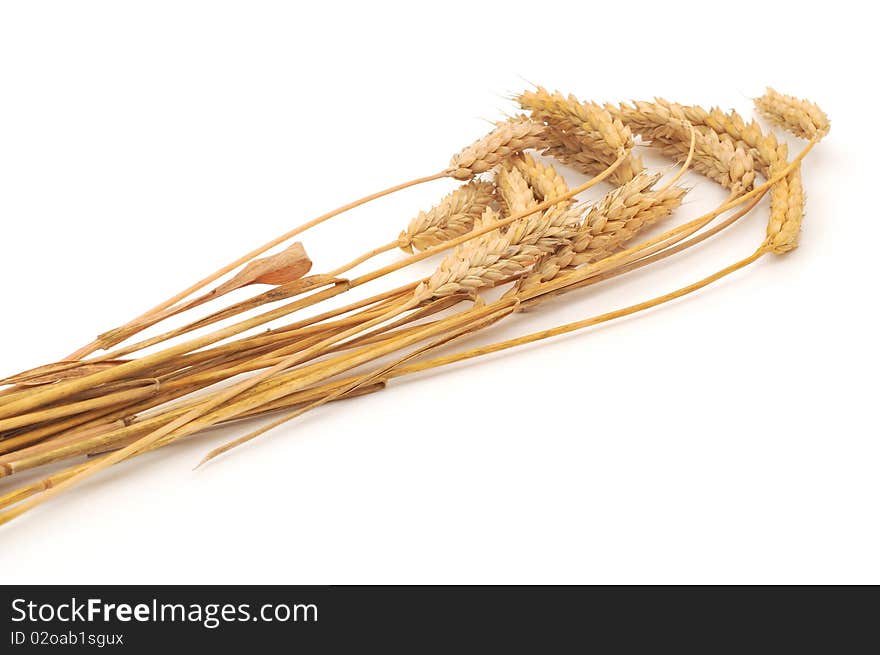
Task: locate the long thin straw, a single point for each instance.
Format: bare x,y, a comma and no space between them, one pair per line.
60,390
98,343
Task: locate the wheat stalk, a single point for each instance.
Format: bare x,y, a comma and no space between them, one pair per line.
483,155
195,418
46,395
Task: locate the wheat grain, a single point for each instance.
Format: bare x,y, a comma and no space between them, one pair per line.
514,189
452,217
546,182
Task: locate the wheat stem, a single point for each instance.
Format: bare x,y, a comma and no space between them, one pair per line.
357,261
451,333
99,344
578,325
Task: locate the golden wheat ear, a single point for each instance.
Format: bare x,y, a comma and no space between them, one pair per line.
453,216
801,117
806,120
583,135
509,137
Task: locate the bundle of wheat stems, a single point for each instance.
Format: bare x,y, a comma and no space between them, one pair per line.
513,222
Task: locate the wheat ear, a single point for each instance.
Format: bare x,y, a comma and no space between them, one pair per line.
787,199
666,126
770,156
800,117
608,225
450,218
514,135
806,120
498,255
583,135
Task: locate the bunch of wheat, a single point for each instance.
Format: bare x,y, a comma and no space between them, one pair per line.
513,222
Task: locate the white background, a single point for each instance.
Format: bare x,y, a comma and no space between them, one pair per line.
729,437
